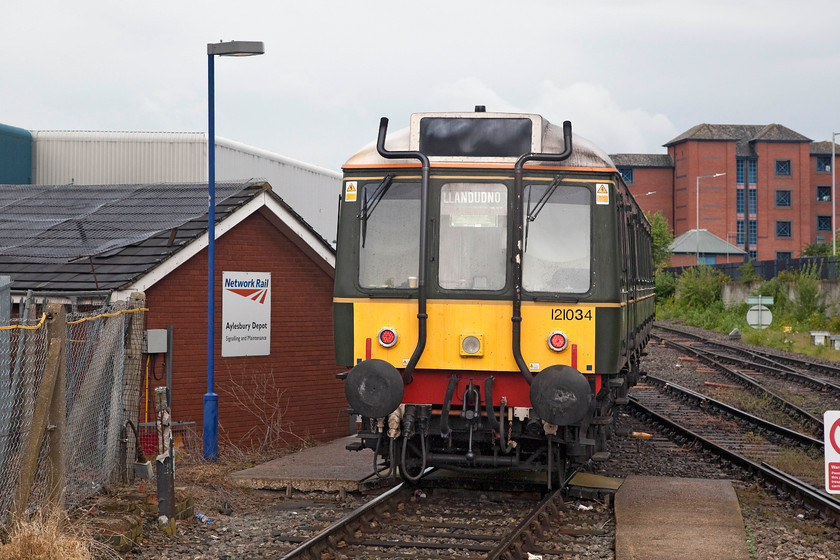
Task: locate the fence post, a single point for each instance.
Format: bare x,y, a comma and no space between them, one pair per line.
133,374
6,386
55,359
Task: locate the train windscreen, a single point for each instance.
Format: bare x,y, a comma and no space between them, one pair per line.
557,251
390,227
473,236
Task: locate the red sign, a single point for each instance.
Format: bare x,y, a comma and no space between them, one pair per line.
831,422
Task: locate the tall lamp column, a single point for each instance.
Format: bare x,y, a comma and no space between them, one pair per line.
211,399
833,203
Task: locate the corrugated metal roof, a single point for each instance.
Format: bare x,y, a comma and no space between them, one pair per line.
15,155
137,227
704,242
101,158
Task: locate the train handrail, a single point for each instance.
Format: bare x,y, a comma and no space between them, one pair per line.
518,240
422,316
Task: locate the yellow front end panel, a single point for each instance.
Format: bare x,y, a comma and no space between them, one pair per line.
451,321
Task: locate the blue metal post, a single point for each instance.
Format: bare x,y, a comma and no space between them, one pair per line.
211,399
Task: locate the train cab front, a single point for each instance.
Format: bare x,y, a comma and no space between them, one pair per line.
474,272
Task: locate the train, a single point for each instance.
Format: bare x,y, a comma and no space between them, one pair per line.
493,295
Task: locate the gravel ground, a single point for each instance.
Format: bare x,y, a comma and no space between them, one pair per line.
253,521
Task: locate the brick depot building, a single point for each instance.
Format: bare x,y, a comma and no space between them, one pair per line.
762,188
292,389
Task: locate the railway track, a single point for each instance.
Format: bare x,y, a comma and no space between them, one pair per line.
803,389
407,522
733,451
785,458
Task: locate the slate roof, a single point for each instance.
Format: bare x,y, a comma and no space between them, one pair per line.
642,160
704,242
823,149
743,134
81,238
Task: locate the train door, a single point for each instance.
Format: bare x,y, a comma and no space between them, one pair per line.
625,270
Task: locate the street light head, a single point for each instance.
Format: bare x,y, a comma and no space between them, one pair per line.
236,48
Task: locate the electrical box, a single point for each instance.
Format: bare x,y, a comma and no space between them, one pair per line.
154,341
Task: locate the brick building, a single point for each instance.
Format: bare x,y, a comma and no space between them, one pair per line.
763,188
110,241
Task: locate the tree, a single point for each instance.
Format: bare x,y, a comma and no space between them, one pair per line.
662,239
817,250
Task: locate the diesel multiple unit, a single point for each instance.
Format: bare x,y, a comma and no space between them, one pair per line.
493,293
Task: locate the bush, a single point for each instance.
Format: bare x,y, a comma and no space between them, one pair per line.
748,273
665,285
700,287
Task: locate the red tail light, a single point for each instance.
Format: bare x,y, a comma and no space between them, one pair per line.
558,341
387,337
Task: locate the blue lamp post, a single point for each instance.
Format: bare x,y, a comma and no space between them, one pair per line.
211,399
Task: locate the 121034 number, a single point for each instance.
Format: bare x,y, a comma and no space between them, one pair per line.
571,314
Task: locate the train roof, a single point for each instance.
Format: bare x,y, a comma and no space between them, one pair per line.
545,137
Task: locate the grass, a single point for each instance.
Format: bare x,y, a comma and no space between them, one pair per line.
49,536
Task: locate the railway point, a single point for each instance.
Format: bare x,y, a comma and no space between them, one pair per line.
665,518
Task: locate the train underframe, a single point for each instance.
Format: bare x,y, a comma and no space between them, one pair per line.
465,434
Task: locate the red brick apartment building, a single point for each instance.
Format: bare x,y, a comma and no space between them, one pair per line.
765,189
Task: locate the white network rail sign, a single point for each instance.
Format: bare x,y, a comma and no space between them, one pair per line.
831,423
246,314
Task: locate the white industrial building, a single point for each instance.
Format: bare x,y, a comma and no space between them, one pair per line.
92,158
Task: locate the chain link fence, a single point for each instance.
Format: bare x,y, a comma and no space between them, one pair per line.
23,354
69,382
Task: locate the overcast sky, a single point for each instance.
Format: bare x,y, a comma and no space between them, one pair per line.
629,74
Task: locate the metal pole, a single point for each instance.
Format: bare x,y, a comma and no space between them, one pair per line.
697,222
211,399
833,203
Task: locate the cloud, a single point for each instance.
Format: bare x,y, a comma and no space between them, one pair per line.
596,116
594,112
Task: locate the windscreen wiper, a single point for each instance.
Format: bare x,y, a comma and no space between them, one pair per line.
369,205
533,213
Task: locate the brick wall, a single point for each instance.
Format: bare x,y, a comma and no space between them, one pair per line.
297,378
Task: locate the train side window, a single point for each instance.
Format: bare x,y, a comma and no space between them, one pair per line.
389,236
558,248
473,236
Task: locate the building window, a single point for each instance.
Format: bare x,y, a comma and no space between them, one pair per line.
823,164
753,254
626,174
823,223
783,255
739,232
783,229
783,168
823,194
752,171
783,199
739,201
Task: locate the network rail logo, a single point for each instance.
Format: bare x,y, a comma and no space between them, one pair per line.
254,289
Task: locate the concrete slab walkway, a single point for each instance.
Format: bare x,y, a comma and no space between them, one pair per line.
661,518
328,467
